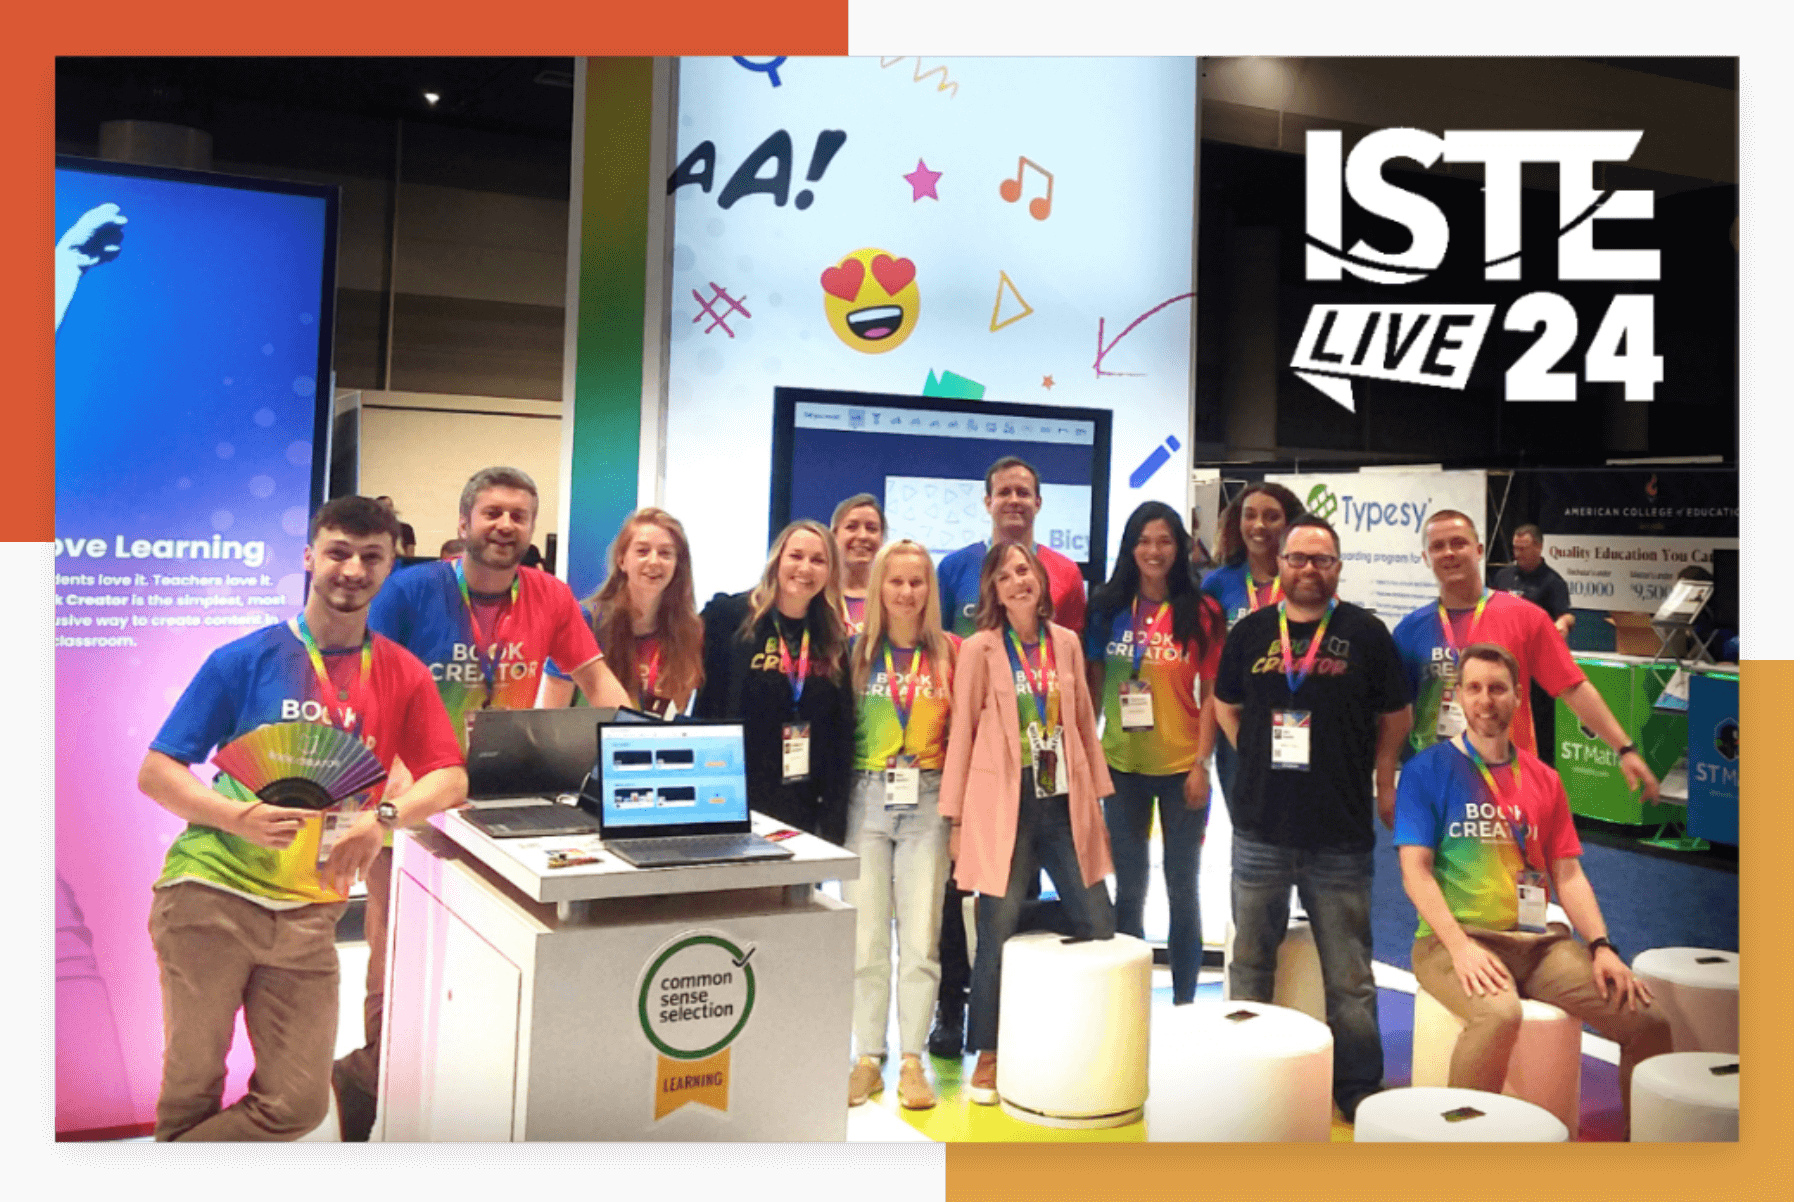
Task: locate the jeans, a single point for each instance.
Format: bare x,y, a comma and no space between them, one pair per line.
1043,839
1334,888
1227,767
903,868
1129,817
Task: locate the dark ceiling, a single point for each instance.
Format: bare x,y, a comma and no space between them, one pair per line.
532,97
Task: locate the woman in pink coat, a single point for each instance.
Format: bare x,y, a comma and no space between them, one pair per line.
1023,779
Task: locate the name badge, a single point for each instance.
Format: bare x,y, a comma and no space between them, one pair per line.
903,782
337,820
1136,705
1046,757
797,751
1530,886
1451,714
1289,739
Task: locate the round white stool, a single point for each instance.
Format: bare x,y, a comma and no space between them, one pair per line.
1437,1115
1545,1068
1072,1031
1240,1072
1679,1098
1298,984
1697,990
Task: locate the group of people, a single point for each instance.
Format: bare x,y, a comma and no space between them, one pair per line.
960,731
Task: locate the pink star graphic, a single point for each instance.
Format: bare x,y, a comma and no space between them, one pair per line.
922,181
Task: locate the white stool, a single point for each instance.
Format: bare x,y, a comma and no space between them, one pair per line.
1697,990
1420,1116
1298,985
1072,1031
1545,1068
1678,1098
1240,1072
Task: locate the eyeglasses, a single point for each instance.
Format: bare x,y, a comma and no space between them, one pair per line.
1297,559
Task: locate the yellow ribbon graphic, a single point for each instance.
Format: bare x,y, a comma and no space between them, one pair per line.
677,1082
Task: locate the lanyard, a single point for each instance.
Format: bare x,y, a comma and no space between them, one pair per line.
327,690
1488,775
1294,677
1045,698
918,667
803,662
1475,618
487,655
649,668
1252,601
1143,635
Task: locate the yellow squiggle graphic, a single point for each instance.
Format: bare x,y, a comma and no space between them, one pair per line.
945,85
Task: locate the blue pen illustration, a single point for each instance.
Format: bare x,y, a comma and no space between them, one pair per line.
1161,455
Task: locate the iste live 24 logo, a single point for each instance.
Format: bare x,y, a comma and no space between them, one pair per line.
1437,344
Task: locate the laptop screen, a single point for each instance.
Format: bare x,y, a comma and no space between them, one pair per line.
531,753
677,779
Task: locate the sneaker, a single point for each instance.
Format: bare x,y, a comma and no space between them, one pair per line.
948,1038
913,1089
354,1106
864,1081
984,1079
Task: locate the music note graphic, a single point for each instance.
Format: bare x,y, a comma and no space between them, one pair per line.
1011,189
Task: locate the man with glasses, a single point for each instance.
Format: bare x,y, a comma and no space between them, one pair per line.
1310,691
1466,612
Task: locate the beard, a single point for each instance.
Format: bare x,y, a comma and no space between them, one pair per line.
489,554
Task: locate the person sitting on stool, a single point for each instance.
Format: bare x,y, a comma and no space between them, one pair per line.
1483,831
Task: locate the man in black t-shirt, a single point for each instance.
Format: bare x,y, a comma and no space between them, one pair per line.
1530,578
1311,693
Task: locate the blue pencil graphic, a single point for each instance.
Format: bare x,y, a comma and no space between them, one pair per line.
1160,456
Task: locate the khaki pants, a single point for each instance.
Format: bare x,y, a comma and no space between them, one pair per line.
218,952
1550,967
362,1066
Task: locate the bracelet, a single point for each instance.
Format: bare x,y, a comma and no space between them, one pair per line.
1628,749
1595,945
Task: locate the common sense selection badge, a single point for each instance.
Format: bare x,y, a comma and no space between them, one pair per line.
694,999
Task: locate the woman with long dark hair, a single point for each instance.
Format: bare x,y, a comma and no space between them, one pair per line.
1022,781
775,659
1251,535
1153,643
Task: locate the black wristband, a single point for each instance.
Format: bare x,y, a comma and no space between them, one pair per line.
1603,942
1628,749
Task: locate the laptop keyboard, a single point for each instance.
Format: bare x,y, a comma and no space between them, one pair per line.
521,820
673,850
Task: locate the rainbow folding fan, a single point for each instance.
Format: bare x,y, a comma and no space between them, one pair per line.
303,764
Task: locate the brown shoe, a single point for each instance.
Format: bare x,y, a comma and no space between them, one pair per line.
865,1080
984,1079
913,1089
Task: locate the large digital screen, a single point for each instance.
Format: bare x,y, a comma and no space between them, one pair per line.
925,458
193,322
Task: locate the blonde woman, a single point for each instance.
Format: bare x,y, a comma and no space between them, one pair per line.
775,659
1023,779
902,668
859,530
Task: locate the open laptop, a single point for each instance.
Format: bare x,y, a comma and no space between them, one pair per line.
519,759
676,794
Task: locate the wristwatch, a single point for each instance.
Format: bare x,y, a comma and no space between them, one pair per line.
1628,749
387,814
1603,942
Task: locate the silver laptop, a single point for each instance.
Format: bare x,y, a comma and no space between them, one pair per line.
672,794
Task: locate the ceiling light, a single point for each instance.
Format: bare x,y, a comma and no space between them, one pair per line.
432,97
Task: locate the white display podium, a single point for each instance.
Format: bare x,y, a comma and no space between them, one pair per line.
607,1002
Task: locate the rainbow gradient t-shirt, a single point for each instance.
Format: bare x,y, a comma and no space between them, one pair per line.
421,609
267,677
878,734
1428,662
1442,802
1169,669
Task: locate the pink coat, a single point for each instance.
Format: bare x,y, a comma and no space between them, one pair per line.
981,782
